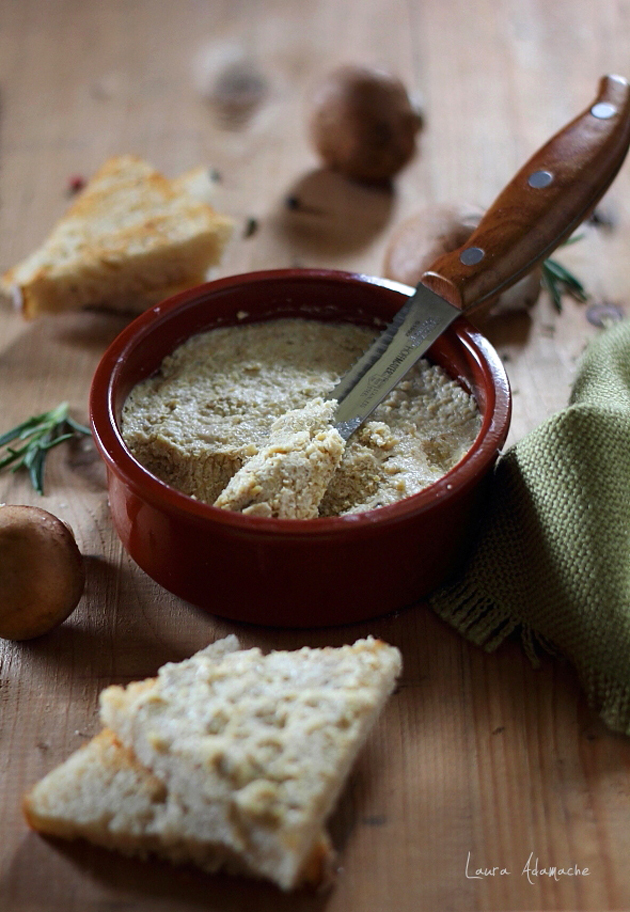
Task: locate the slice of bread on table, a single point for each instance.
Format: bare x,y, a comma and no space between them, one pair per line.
102,794
131,238
231,759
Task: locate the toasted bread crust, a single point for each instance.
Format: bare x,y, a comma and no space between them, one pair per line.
129,239
239,787
257,747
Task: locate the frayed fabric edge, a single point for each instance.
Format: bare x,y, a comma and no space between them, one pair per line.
487,625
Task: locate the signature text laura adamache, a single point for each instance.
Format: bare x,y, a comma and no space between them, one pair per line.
532,869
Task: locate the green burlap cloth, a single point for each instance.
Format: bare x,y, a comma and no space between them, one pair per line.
552,555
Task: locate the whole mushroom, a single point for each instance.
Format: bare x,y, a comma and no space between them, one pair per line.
41,572
422,238
364,124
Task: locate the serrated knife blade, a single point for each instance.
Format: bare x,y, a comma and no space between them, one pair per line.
402,343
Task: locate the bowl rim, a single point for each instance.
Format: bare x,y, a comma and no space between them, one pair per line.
150,488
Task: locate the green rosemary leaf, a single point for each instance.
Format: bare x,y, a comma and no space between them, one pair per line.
80,428
35,466
13,455
39,434
557,280
550,285
25,428
53,443
567,278
572,240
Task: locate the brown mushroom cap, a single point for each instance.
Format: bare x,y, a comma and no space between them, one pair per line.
41,572
364,124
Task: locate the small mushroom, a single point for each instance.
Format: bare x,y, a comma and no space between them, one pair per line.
364,124
423,237
41,572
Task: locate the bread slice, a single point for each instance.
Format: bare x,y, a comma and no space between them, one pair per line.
197,181
261,810
254,749
131,238
101,793
288,477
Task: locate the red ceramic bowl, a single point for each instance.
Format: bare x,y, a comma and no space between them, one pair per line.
293,573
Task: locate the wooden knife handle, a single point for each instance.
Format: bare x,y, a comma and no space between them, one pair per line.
546,201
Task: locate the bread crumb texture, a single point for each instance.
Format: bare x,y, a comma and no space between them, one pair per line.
288,477
130,239
231,759
216,400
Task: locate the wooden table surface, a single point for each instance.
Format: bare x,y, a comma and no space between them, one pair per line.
478,758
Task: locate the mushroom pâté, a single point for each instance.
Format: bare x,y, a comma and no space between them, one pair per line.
41,572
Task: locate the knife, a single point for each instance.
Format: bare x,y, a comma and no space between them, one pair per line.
540,208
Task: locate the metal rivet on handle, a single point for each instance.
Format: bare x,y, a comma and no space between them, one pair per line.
540,179
603,110
472,256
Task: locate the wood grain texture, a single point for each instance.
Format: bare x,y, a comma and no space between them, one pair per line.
475,753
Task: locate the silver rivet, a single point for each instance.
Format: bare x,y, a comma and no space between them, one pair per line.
472,256
603,110
540,179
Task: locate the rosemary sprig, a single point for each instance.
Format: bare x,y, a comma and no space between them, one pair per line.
557,279
34,437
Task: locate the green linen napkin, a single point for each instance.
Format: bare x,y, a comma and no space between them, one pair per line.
552,555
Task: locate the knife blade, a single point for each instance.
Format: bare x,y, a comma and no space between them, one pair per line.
540,208
413,330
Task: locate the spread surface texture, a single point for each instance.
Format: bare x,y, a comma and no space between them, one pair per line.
216,401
